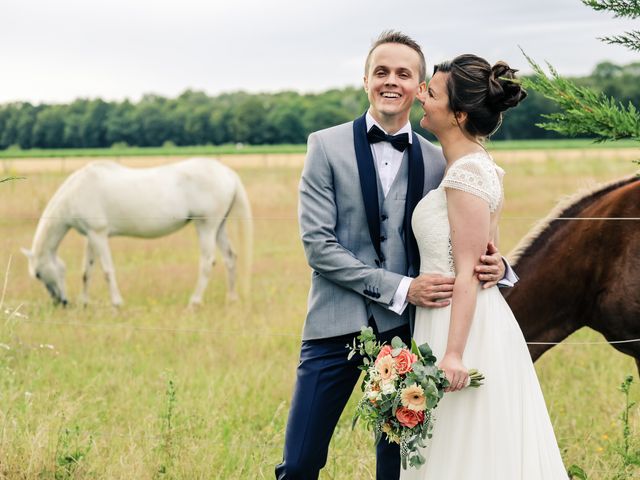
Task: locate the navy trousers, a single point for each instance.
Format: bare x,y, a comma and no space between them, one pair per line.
325,381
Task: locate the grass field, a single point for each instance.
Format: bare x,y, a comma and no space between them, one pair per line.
157,391
117,151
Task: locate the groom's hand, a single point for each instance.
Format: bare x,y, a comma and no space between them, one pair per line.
491,269
430,290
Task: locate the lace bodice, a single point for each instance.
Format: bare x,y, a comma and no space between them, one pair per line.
475,173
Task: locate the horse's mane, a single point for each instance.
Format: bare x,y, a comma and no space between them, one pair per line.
51,215
569,207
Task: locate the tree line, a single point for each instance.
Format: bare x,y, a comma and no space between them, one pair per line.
195,118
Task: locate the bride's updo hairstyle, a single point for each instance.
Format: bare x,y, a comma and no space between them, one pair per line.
481,91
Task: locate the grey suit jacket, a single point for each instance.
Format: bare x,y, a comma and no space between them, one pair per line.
337,244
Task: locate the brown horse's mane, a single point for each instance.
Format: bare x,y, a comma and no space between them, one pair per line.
567,208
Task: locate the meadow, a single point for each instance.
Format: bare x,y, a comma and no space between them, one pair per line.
155,390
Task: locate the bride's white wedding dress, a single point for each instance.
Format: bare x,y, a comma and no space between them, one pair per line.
500,431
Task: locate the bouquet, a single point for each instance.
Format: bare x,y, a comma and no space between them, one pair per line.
401,388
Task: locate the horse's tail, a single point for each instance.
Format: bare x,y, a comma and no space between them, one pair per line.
240,212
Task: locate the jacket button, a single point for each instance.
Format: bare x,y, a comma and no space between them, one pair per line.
383,238
383,217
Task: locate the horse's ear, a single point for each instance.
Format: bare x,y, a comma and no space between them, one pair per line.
27,253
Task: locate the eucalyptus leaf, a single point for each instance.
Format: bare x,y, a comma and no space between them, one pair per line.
417,461
396,404
425,349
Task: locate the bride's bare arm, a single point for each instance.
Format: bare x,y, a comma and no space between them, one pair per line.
469,219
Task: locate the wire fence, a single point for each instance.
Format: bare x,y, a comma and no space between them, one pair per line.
13,313
275,217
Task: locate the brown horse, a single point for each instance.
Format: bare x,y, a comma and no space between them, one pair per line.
582,273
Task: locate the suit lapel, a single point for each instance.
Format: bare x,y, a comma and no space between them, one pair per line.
415,187
368,181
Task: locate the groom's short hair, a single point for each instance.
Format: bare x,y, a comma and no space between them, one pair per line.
392,36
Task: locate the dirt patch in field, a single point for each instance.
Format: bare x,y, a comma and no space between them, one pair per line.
294,160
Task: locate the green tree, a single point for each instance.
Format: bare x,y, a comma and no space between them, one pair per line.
220,124
48,130
94,131
194,110
194,118
248,120
9,116
25,121
155,127
121,124
284,118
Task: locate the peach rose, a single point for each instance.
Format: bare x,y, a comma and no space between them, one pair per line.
386,350
404,360
409,418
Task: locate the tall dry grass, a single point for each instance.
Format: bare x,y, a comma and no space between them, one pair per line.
158,391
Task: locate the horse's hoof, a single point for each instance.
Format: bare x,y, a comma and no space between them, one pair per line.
194,304
232,297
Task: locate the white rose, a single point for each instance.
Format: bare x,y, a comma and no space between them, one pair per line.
388,388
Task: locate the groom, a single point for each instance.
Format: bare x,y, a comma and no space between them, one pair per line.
360,184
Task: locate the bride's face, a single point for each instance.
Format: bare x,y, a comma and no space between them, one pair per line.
435,103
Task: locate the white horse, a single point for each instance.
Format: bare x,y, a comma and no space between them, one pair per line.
105,199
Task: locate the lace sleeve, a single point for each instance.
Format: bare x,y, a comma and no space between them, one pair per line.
478,177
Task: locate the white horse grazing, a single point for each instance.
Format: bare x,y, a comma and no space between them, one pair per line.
105,199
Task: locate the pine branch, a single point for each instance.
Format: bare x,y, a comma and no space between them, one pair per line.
631,40
621,8
584,112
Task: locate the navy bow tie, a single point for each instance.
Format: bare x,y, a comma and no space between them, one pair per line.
399,142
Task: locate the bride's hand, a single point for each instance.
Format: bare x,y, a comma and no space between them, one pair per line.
456,372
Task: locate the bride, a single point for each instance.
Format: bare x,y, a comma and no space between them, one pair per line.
500,431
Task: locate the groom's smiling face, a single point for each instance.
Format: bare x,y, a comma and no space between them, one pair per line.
392,82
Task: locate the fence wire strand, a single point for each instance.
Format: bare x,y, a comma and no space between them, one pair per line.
251,333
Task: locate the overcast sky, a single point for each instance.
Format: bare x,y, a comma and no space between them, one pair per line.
58,50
